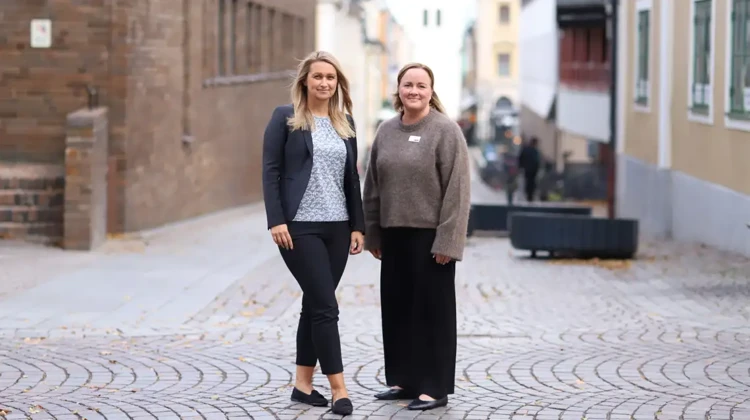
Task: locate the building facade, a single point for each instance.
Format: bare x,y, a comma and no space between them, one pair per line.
539,74
399,51
436,27
497,71
189,86
347,29
566,79
683,111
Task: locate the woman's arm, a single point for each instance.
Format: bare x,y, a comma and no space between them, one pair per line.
453,164
358,218
372,201
273,163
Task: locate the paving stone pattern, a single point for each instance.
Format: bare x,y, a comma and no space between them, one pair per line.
198,322
664,338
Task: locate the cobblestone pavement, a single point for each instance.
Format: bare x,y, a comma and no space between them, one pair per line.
665,337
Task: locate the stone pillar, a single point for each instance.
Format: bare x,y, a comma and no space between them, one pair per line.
85,214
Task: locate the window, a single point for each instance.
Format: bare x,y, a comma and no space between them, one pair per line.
437,21
425,17
700,89
261,43
504,15
503,65
221,39
642,70
253,37
233,38
739,79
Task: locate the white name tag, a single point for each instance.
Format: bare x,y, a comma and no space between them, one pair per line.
414,139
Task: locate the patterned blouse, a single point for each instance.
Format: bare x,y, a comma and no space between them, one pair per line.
324,199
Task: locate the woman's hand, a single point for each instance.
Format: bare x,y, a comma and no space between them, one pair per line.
441,259
282,237
376,253
358,242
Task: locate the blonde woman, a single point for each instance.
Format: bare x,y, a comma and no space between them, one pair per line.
416,211
314,211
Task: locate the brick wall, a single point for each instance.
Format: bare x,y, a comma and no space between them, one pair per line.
39,87
156,63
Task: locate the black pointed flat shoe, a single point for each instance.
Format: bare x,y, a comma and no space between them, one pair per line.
342,407
427,405
314,399
395,394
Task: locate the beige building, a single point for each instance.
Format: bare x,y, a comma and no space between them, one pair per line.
684,120
497,63
348,30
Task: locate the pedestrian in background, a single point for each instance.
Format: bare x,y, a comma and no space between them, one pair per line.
416,210
313,204
529,161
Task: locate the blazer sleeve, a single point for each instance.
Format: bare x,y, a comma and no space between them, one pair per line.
453,159
357,218
372,201
274,140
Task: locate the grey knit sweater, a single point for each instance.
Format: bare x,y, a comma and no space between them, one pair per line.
418,177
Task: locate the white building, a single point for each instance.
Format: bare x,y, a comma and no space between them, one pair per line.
437,28
345,29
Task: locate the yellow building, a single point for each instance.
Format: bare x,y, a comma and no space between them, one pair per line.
684,120
496,33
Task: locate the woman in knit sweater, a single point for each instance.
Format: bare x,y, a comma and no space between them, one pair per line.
416,199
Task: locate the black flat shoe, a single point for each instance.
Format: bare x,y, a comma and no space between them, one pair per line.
427,405
314,399
342,407
395,394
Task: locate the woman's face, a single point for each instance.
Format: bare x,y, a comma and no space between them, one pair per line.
414,90
322,81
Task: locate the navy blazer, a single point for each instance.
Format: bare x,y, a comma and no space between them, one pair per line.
287,164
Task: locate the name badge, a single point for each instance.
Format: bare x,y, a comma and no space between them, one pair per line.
414,139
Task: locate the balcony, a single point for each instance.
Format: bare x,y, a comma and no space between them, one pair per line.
586,75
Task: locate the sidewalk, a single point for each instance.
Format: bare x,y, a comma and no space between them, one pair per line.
158,278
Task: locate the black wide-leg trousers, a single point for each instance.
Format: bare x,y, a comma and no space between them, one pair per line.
317,262
418,306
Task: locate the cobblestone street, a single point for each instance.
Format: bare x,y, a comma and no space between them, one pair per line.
198,322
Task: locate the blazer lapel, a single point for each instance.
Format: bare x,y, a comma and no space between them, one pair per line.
308,140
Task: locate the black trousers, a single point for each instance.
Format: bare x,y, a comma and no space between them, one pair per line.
317,262
530,185
418,306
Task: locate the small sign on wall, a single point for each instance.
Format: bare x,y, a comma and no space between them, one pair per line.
41,33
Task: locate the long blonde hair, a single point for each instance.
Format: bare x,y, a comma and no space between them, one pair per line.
337,105
434,100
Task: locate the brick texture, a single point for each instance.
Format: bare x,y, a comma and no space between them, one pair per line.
155,64
85,215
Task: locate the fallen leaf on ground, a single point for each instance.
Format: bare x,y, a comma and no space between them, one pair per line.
595,262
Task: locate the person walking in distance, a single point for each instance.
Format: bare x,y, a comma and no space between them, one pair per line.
313,204
529,160
416,198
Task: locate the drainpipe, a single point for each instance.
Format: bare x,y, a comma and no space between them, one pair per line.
612,161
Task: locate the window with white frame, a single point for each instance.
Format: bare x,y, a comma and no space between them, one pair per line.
700,85
642,53
739,77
